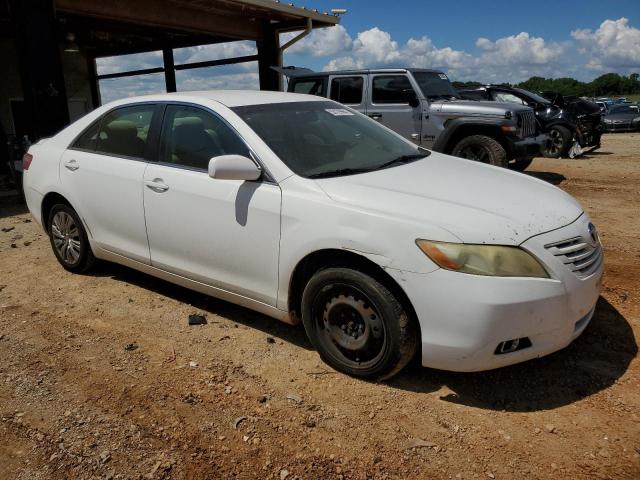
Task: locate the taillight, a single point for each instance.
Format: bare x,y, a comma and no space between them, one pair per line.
27,158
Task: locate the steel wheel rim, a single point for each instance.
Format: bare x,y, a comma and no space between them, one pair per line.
350,326
66,237
477,153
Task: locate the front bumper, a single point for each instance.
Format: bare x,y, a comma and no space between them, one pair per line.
464,318
527,147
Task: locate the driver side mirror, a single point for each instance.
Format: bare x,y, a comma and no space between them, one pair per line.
411,98
233,167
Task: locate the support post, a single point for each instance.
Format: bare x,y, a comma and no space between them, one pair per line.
96,101
169,69
268,56
41,70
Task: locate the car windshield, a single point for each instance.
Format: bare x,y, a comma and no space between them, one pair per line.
533,96
435,85
325,139
624,109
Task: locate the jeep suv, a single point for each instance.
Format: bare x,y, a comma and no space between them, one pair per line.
423,106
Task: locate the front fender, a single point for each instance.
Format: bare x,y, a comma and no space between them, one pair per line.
442,143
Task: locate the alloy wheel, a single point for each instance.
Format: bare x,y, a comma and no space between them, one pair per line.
66,237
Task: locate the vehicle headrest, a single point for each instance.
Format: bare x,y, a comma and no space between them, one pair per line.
189,134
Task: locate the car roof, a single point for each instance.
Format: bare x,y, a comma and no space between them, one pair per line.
229,98
310,73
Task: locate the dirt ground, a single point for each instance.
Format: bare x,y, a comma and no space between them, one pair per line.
101,377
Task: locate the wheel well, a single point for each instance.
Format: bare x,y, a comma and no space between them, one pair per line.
322,259
468,130
49,200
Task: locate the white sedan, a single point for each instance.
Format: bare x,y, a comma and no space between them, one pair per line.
301,208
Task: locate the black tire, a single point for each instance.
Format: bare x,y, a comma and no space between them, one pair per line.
357,324
481,149
69,240
521,164
559,142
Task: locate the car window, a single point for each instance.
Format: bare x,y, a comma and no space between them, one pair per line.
192,136
390,89
624,109
347,90
87,139
507,97
310,86
124,131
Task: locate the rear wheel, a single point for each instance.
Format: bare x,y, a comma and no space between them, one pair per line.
357,324
481,149
69,239
559,142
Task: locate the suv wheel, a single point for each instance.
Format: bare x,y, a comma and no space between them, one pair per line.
357,325
69,239
559,142
481,149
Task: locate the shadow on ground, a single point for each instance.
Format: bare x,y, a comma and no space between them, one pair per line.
205,304
551,177
592,363
10,206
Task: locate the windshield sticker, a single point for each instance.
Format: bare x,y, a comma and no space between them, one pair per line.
442,76
337,112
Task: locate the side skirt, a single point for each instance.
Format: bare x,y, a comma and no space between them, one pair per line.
231,297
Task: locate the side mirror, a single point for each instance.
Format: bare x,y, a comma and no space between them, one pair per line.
233,167
411,98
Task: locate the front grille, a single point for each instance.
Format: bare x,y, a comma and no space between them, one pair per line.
527,123
579,256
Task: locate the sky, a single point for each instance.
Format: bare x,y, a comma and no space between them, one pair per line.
491,41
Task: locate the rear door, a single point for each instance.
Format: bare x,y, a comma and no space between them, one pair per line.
387,103
102,172
349,90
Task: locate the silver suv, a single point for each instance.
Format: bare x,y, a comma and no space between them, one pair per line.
423,106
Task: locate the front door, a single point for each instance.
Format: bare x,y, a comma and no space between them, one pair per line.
102,173
225,233
388,104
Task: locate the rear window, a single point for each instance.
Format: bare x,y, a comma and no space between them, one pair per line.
347,90
310,86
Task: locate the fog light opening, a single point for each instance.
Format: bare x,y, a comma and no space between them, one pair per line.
510,346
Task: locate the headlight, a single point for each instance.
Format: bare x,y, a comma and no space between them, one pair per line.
493,260
606,120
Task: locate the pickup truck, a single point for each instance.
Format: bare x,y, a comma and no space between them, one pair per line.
423,106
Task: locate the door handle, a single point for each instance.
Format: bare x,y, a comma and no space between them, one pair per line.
375,116
415,136
71,165
157,185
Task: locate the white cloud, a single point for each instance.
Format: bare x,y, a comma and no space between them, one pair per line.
521,49
322,42
615,45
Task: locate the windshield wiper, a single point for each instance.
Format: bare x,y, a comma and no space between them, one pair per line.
402,159
339,172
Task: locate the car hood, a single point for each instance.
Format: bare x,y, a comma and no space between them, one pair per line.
476,203
476,107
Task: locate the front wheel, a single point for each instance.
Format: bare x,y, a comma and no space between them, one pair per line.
559,142
357,324
481,149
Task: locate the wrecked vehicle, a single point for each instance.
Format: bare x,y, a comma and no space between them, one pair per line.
573,124
422,106
299,207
